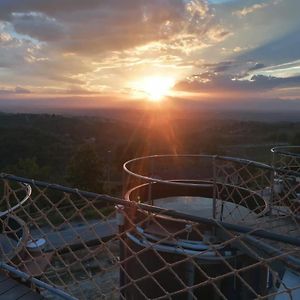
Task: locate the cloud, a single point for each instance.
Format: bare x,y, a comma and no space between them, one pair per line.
288,69
113,25
21,90
94,45
38,26
255,7
219,67
16,90
257,66
250,9
5,37
212,82
52,8
172,23
13,54
57,43
218,33
279,50
239,49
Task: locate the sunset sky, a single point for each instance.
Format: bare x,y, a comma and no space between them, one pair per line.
231,52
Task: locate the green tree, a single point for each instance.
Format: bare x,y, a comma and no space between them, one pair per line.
28,167
85,169
295,140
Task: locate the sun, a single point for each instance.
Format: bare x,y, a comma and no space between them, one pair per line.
156,87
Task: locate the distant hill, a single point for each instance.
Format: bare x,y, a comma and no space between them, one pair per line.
46,143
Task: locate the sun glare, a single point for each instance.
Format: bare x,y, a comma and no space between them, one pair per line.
156,87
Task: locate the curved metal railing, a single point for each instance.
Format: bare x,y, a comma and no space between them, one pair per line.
237,192
213,158
93,246
193,175
287,150
286,158
18,202
14,232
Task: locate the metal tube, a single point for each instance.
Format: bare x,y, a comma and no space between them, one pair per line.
190,272
272,250
166,212
36,282
284,150
214,214
233,227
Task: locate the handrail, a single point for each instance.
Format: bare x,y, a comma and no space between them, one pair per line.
20,240
41,284
283,150
27,196
212,157
246,162
155,209
253,193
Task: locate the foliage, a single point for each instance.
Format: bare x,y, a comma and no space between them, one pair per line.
74,150
296,139
85,170
28,167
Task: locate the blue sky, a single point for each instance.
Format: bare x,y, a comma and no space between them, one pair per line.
218,50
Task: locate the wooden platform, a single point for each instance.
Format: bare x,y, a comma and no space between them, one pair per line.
11,289
78,235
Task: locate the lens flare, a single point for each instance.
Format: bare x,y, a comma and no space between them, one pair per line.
156,87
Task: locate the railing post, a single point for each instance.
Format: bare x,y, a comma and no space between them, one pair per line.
150,200
214,188
272,192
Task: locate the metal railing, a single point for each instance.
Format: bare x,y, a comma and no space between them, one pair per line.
286,157
189,227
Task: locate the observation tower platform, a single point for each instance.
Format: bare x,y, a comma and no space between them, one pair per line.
187,227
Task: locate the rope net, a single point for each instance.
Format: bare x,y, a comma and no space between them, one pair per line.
190,227
287,158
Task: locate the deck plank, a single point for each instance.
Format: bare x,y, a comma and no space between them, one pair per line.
31,296
3,277
6,285
15,293
11,289
77,235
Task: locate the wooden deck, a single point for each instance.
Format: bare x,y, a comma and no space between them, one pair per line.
78,235
11,289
